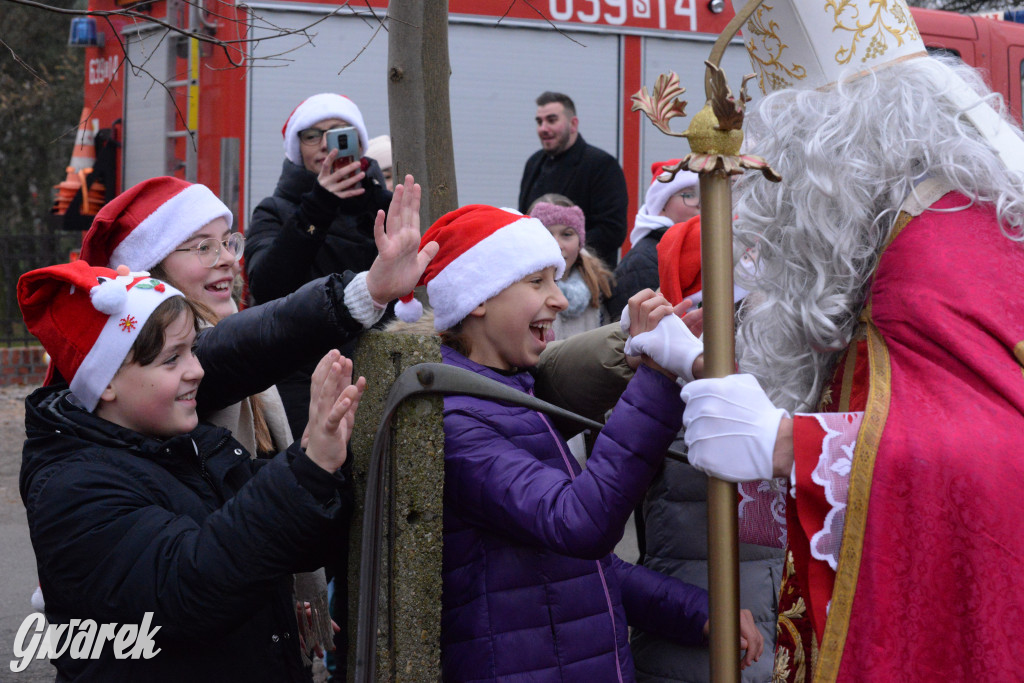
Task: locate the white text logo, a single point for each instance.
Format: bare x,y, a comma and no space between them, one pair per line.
81,639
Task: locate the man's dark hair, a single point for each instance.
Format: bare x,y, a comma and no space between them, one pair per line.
548,97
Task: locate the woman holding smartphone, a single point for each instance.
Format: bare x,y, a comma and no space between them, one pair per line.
320,218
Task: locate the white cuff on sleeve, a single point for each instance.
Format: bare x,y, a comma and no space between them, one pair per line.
360,304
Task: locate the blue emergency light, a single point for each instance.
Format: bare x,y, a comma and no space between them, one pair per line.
84,34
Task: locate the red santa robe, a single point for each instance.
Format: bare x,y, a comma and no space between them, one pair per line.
928,580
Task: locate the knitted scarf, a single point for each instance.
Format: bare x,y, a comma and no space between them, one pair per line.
576,291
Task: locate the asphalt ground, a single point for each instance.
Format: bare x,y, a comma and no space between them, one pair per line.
17,562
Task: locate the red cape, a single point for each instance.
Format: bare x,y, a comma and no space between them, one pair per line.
928,585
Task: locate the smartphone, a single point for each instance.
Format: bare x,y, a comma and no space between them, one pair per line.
346,141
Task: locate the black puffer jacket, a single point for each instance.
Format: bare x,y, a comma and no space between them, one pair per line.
638,270
303,232
260,346
187,528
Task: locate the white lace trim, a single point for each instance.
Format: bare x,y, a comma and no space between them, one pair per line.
832,473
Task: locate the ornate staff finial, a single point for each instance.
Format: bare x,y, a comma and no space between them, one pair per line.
715,133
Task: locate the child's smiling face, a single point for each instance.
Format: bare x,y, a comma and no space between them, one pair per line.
509,330
158,399
208,286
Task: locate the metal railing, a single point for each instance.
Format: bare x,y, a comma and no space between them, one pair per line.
20,253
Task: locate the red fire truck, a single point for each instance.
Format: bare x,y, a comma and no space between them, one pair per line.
182,107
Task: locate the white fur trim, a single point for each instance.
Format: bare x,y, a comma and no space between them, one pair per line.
409,312
659,193
172,223
495,262
114,342
645,224
319,108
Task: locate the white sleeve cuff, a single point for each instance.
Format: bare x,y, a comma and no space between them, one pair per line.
360,304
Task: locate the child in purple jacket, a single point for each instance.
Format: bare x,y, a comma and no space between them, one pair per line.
531,589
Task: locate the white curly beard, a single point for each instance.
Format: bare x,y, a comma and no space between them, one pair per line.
848,156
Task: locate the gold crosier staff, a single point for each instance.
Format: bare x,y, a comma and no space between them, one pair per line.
715,135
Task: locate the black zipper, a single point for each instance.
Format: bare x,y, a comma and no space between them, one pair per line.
202,466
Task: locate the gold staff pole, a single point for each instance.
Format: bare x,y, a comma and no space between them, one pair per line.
715,135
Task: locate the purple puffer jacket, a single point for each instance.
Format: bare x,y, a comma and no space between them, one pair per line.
531,589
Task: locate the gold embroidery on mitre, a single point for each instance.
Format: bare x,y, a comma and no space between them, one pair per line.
888,20
766,48
1018,352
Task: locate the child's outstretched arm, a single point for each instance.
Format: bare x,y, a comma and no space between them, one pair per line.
332,411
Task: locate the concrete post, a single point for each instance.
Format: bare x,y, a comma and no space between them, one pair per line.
409,604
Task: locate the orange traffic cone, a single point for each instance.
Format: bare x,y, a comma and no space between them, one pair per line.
82,159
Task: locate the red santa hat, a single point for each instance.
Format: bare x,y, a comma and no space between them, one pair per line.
87,319
483,250
679,264
660,192
141,226
319,108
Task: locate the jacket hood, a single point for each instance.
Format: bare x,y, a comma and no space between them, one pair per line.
294,182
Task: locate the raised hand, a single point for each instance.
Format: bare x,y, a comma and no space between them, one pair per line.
400,261
332,410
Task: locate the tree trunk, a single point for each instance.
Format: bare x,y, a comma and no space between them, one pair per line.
421,127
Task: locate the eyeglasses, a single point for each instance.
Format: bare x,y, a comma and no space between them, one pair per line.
311,136
208,251
690,198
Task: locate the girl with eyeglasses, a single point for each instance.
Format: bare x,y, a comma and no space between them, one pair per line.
670,200
181,233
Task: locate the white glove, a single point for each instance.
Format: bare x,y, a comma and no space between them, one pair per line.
624,320
671,345
731,427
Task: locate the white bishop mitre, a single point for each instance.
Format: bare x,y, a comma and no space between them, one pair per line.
809,44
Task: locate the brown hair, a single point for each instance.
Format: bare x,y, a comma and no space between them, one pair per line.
456,338
552,198
547,97
150,341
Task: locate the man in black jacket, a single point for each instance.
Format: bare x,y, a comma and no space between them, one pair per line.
589,176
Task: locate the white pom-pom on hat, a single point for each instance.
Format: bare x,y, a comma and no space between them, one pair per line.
109,297
409,311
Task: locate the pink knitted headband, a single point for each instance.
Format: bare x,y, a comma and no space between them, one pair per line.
569,216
